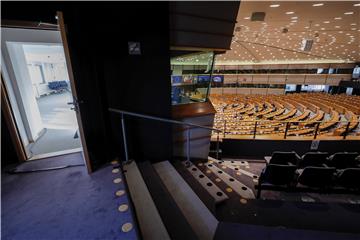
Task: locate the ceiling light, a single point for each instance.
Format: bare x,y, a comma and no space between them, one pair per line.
294,21
294,17
353,24
348,13
326,21
318,4
246,18
288,13
275,5
356,4
338,18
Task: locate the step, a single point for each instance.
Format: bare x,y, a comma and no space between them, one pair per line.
202,221
216,193
174,221
149,220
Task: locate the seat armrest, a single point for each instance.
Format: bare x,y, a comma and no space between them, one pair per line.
290,164
325,165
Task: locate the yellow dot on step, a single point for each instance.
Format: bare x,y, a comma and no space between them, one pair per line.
208,171
229,189
255,181
119,193
247,166
243,200
200,164
126,227
218,180
238,173
115,170
211,161
123,207
114,162
223,167
117,180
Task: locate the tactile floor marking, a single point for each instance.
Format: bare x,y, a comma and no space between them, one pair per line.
254,176
228,162
210,187
241,189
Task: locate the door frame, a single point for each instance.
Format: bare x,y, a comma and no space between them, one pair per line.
5,103
11,123
62,29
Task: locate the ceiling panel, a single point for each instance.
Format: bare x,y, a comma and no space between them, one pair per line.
334,27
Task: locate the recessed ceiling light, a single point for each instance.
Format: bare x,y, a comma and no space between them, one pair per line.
288,13
318,4
294,17
246,17
338,18
326,21
275,5
356,4
294,21
337,26
348,13
353,24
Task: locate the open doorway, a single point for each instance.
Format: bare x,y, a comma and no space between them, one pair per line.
35,74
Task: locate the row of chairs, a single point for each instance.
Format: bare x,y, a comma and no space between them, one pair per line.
340,160
314,171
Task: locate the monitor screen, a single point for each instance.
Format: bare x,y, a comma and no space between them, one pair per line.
203,78
218,78
177,79
356,72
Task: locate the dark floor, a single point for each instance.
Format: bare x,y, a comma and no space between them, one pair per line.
334,213
63,204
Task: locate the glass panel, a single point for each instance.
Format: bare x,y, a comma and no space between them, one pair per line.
192,76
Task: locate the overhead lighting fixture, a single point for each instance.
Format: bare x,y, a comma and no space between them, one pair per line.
288,13
348,13
294,17
326,21
274,5
318,4
338,18
356,4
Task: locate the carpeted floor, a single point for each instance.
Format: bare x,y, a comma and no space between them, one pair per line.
63,204
55,140
60,123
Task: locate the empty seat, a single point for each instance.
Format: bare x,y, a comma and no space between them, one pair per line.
343,160
313,159
274,174
282,158
318,177
349,178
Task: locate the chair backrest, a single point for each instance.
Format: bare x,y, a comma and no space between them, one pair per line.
317,176
283,158
349,178
278,174
314,159
343,160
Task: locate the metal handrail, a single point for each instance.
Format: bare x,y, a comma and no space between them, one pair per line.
139,115
160,119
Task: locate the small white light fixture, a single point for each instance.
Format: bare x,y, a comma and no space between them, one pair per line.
274,5
338,18
294,17
318,4
357,5
288,13
246,18
348,13
326,21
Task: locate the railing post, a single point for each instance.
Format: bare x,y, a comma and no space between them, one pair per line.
316,130
188,145
286,129
217,145
255,130
224,128
124,138
346,130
